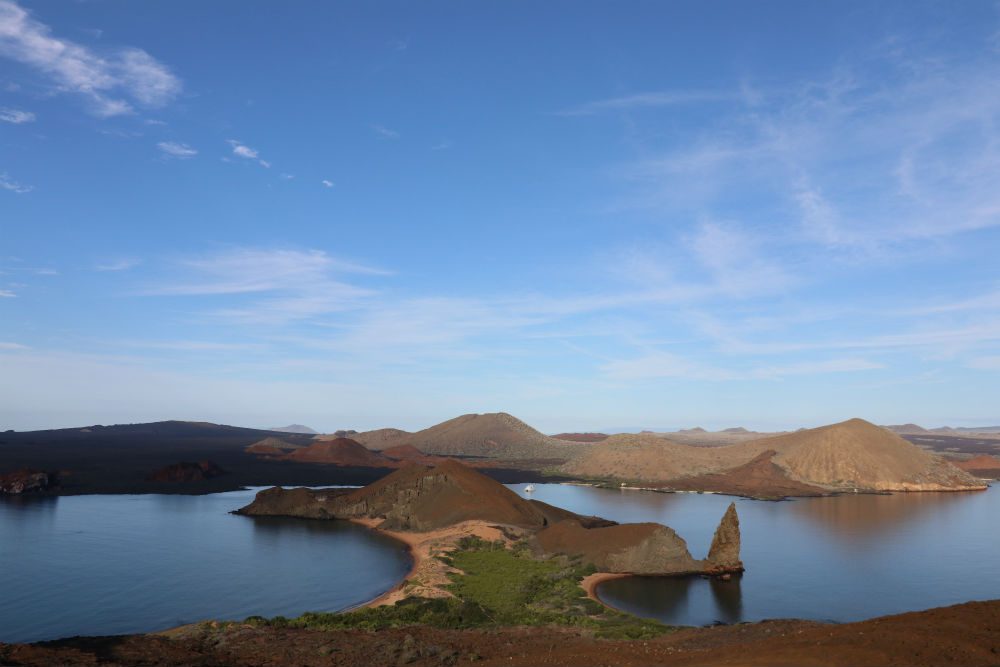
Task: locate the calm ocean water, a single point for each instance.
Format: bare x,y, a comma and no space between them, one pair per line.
117,564
99,565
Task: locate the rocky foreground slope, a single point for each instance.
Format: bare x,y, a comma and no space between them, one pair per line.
849,456
966,635
422,499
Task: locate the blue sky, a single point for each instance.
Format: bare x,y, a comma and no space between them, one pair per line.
354,215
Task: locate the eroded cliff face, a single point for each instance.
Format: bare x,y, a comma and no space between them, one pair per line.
635,548
724,554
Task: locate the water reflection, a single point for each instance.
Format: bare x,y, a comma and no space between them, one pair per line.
16,511
865,517
698,600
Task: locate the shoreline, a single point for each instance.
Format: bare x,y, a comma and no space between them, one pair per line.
590,583
428,576
416,559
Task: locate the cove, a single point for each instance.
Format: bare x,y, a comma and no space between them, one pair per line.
116,564
842,558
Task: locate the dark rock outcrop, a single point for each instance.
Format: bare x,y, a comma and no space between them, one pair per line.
724,554
186,471
26,481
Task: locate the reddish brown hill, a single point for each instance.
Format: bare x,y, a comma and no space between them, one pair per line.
378,439
342,452
494,436
422,498
271,446
581,437
984,466
760,478
404,453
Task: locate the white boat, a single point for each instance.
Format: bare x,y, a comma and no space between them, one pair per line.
529,488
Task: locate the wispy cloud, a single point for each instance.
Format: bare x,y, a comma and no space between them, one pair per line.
655,99
119,264
882,153
12,346
384,132
6,294
176,150
112,81
13,186
661,364
16,116
291,284
326,183
242,150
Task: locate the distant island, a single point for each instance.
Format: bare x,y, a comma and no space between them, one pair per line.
854,456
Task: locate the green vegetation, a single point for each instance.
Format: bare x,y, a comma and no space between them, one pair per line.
499,587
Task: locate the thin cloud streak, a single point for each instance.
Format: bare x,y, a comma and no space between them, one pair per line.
176,150
111,83
656,99
13,186
16,116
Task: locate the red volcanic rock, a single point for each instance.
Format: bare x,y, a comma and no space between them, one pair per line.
581,437
404,453
984,465
186,471
341,452
25,481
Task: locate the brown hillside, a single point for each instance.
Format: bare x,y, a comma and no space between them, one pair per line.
495,435
851,455
984,465
645,457
421,498
760,478
859,454
342,452
404,453
380,438
636,548
581,437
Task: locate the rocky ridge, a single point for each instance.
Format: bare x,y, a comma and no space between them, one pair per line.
421,499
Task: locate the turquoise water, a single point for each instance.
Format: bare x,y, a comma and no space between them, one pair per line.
844,558
100,565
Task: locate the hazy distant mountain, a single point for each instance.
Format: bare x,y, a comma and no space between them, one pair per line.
294,428
907,429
